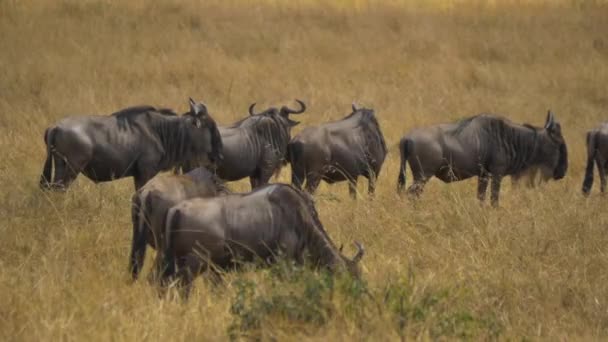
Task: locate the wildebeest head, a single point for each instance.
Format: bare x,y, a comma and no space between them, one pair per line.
206,136
282,113
554,161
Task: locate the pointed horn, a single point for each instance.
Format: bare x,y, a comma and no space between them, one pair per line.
192,102
550,119
360,252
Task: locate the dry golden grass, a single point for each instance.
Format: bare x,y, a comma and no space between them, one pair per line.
534,268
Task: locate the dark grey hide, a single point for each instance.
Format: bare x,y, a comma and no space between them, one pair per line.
152,201
255,146
597,153
222,233
485,146
136,141
339,151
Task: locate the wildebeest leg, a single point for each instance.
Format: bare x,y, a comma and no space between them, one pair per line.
601,168
157,269
46,176
352,188
482,187
312,183
65,174
254,182
371,183
140,238
416,189
188,268
264,176
496,179
532,178
141,177
297,177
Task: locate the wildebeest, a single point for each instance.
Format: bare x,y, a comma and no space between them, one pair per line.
152,201
255,146
339,151
221,233
486,146
136,141
597,153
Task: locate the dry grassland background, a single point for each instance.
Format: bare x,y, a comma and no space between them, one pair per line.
443,267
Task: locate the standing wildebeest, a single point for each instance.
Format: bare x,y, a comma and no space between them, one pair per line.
255,146
597,152
485,146
223,232
338,151
152,201
136,141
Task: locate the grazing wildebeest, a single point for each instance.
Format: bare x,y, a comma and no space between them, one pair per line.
152,201
597,152
339,151
137,141
486,146
221,233
255,146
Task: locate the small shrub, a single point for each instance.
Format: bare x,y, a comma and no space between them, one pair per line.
295,294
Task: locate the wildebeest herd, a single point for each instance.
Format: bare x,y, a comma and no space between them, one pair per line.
197,224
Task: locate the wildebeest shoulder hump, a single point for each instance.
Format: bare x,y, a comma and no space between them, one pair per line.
130,112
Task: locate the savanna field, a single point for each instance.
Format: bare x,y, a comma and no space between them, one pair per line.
442,267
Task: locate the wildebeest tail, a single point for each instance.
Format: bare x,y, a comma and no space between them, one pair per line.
168,264
45,177
592,146
139,203
294,157
404,153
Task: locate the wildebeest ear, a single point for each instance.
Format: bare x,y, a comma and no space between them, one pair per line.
192,104
354,107
550,122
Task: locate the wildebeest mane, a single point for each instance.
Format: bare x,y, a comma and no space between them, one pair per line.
367,119
319,245
173,135
273,129
127,115
463,123
519,143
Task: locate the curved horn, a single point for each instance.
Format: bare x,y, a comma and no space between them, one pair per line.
360,252
355,107
286,110
251,112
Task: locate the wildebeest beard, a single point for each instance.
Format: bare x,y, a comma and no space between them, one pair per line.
176,143
368,118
